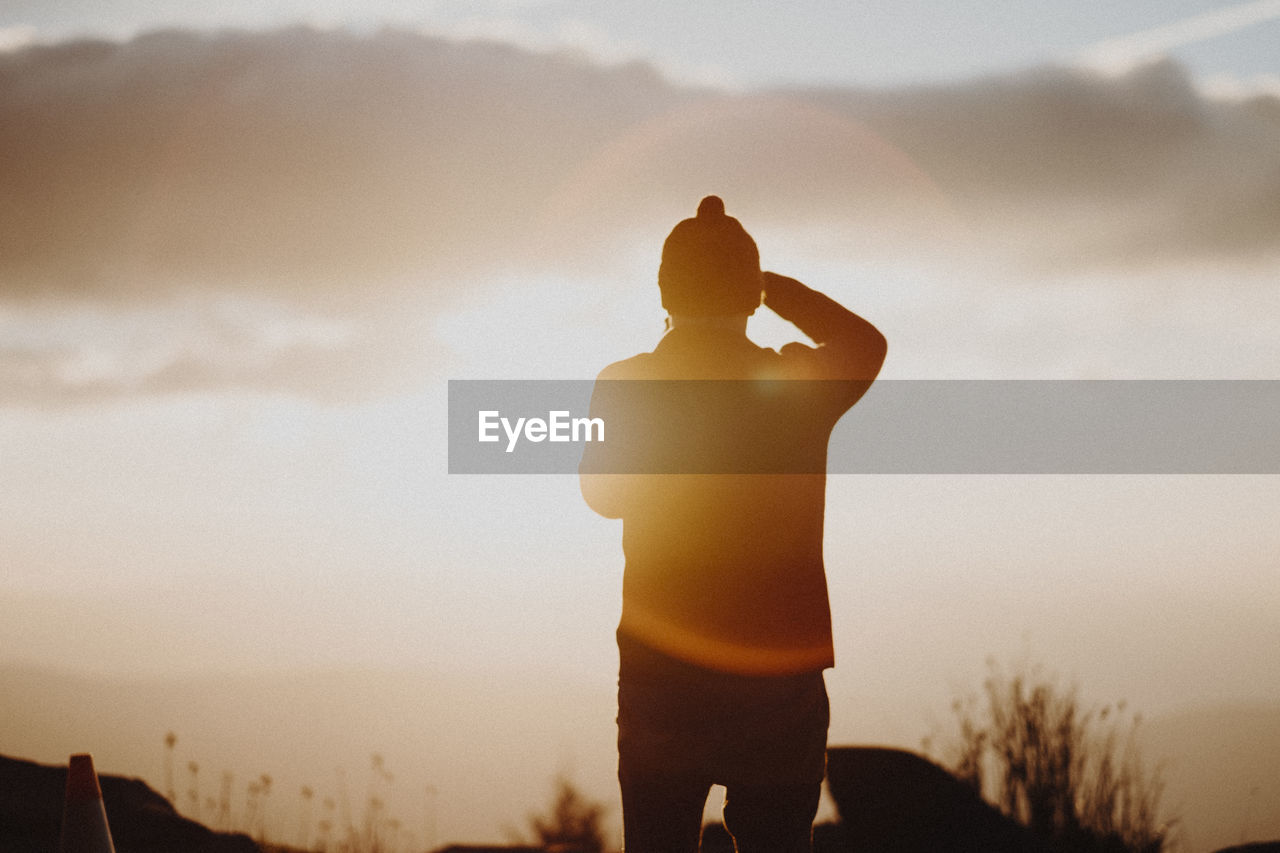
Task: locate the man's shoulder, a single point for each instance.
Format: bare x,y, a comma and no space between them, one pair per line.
797,361
794,361
800,361
637,367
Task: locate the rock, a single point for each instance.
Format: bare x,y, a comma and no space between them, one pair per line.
893,801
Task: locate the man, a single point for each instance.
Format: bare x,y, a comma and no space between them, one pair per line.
715,460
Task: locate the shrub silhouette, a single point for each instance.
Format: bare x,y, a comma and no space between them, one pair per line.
573,825
1073,776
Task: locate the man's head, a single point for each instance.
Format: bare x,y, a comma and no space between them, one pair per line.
710,265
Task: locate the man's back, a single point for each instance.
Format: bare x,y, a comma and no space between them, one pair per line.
723,519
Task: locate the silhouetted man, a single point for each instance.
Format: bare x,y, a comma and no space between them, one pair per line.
716,465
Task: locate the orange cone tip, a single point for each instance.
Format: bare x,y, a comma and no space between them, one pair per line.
84,818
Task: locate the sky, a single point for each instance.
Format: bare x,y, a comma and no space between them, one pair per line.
245,246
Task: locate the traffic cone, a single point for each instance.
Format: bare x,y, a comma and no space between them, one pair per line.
84,818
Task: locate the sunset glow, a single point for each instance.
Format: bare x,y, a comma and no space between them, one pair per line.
242,253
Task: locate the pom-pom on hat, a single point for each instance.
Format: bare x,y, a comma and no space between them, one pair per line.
710,265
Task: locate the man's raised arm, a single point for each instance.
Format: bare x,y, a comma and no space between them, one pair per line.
852,347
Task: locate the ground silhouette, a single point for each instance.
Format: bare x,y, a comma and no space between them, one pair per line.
141,821
889,801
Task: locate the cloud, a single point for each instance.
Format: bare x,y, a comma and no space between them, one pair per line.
575,36
367,181
1086,171
294,159
88,351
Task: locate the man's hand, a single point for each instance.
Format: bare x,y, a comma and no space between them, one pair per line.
772,283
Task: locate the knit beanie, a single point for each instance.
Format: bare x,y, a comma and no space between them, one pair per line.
710,265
